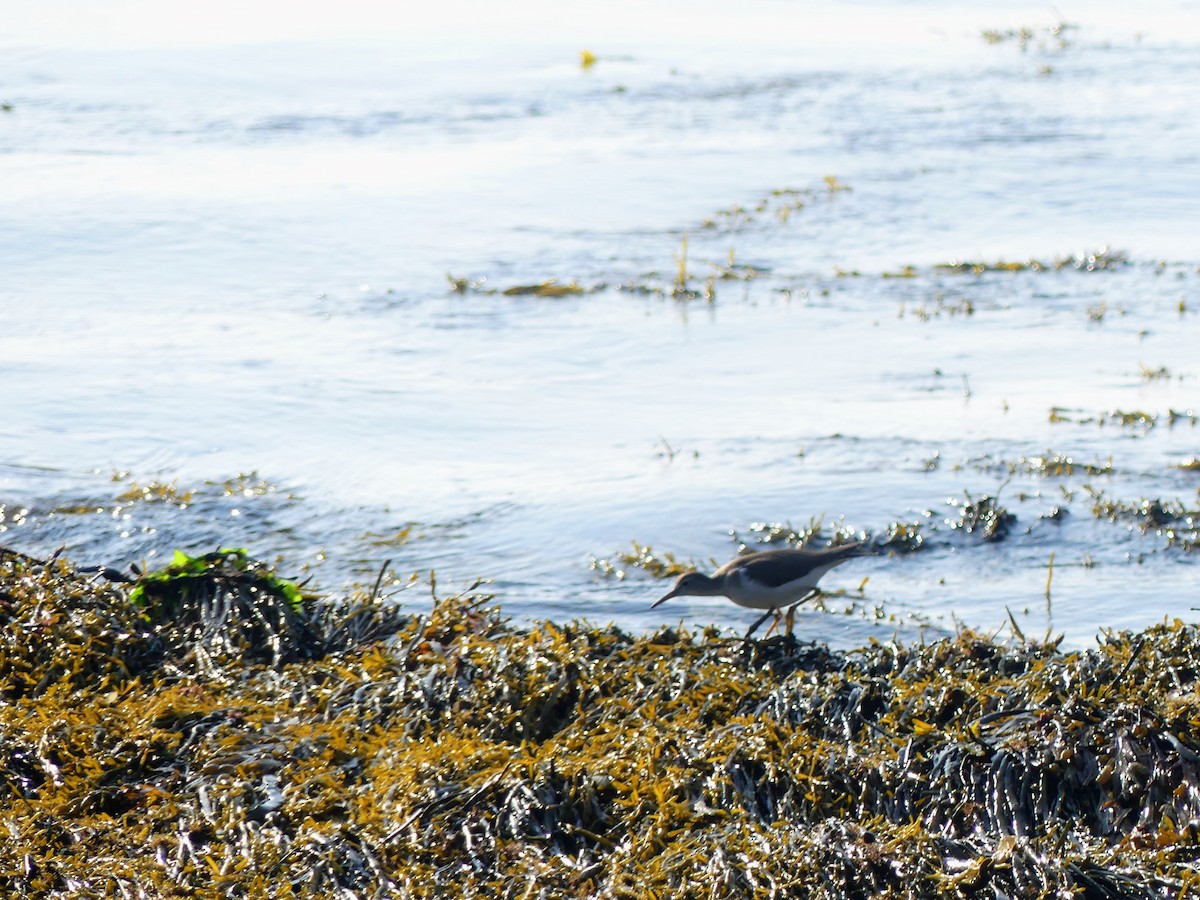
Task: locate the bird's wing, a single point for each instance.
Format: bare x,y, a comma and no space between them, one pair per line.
775,568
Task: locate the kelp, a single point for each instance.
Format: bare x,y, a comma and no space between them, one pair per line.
450,753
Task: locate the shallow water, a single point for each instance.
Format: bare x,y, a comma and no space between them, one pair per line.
225,245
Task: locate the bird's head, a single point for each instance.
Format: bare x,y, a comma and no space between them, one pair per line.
692,583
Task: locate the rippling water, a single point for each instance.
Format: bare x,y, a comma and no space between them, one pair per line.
225,242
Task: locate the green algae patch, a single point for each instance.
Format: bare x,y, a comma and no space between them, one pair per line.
225,604
165,590
450,753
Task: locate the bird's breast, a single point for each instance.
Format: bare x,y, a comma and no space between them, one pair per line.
744,590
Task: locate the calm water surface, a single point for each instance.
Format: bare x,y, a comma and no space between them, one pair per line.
225,242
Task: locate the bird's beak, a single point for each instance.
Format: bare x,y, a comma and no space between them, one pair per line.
664,598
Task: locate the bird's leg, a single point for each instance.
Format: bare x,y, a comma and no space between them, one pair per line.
774,625
790,619
759,621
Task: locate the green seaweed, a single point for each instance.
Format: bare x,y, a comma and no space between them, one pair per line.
179,578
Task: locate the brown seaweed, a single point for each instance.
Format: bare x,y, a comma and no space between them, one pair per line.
450,753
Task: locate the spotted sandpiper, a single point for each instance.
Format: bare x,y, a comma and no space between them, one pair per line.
770,579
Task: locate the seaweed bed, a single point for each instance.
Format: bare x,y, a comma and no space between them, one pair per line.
212,732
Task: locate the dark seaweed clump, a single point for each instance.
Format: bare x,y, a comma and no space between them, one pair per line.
372,753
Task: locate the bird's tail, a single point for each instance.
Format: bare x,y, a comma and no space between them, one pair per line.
866,547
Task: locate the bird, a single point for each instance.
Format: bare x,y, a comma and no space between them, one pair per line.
768,579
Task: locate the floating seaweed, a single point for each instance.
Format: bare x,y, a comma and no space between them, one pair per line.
1171,519
924,312
450,754
644,557
985,516
785,534
903,537
780,203
1094,261
1050,37
156,492
1051,464
551,287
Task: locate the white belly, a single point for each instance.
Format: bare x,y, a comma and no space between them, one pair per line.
749,593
